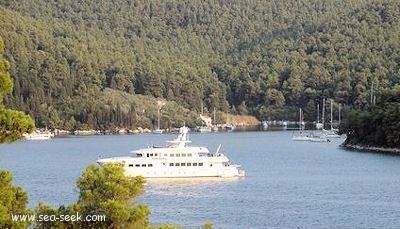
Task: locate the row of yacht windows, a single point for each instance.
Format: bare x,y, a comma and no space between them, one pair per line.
170,164
166,155
140,165
179,155
186,164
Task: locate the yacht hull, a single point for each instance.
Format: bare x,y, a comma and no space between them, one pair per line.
177,160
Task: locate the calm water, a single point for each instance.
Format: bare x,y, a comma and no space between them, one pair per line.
288,184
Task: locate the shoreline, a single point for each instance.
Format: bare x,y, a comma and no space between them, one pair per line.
127,131
371,148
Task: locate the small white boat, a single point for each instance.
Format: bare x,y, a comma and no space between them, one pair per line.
331,133
215,128
312,137
319,139
264,125
157,131
177,160
230,127
204,129
301,138
38,136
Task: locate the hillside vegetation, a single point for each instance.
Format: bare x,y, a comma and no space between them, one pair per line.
71,60
377,126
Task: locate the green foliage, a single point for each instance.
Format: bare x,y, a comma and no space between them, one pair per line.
165,227
208,226
103,191
13,200
379,126
264,57
12,123
5,81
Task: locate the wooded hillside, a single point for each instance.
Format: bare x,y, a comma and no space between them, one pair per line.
377,126
264,58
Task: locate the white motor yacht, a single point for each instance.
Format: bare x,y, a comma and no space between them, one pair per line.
177,160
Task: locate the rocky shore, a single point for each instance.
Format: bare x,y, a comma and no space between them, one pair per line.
371,148
138,130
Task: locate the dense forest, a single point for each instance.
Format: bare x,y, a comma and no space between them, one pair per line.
103,190
102,64
377,126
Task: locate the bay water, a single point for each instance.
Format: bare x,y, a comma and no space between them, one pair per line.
288,184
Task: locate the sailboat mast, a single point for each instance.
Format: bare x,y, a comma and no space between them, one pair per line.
158,120
331,114
323,114
301,119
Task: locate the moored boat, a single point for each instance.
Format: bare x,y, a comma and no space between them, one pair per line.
39,135
176,160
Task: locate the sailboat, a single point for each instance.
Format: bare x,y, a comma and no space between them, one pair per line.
229,126
319,125
332,133
312,137
302,136
160,104
207,127
214,122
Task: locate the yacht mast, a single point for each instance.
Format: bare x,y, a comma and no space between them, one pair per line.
323,114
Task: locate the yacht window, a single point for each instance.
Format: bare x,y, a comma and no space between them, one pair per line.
130,165
176,164
139,155
189,164
165,155
151,155
210,165
201,164
137,165
195,164
143,165
148,155
184,155
189,154
178,155
172,155
156,154
150,165
171,164
183,164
